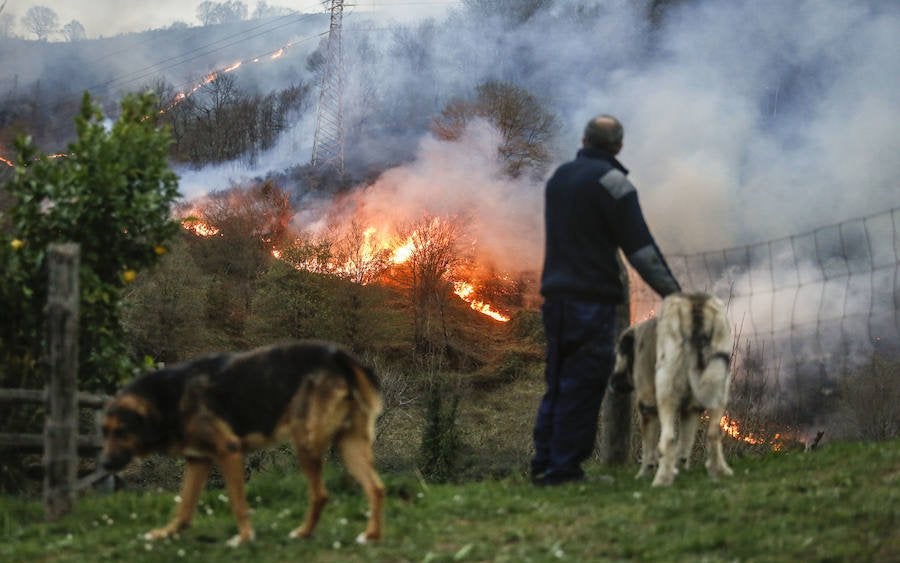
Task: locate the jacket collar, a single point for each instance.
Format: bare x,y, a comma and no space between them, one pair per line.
598,154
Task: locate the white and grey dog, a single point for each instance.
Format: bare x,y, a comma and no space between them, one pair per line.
679,366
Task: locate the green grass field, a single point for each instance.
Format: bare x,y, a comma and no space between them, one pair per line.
840,503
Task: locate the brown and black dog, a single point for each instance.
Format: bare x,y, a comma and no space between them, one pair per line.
217,408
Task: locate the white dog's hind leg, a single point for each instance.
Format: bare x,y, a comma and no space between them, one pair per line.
649,440
715,457
687,433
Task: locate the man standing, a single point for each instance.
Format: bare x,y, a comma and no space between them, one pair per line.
591,211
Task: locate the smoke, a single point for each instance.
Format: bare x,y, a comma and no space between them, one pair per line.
293,144
744,120
464,180
745,123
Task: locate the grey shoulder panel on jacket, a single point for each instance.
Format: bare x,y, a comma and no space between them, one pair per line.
616,183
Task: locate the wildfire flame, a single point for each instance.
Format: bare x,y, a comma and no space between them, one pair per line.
371,248
403,252
732,428
465,292
198,226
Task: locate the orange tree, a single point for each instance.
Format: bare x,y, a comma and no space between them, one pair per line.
112,194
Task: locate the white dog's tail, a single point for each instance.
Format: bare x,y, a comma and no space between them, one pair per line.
710,340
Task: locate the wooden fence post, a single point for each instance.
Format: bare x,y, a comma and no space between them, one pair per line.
615,411
61,356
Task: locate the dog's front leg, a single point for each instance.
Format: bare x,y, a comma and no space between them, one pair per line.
232,465
668,447
195,475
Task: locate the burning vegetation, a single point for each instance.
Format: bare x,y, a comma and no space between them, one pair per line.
428,258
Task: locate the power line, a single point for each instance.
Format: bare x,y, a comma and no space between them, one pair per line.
201,51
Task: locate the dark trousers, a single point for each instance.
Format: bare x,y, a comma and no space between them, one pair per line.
580,341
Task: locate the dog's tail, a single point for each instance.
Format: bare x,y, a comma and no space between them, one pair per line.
364,384
710,340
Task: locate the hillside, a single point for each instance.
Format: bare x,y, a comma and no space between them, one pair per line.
839,503
109,66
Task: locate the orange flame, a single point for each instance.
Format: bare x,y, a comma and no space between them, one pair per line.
367,264
198,226
403,252
732,428
465,290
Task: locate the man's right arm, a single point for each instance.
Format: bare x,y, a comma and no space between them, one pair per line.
633,236
650,264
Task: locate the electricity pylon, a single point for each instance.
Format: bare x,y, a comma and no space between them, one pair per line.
328,144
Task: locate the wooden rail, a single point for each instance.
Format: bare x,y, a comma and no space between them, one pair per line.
85,444
87,400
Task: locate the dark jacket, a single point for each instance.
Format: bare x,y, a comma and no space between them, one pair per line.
591,210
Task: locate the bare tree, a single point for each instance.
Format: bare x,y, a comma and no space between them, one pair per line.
210,13
360,259
213,103
264,10
434,252
220,122
527,128
74,31
205,11
42,21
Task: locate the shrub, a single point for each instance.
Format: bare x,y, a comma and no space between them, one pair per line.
111,194
441,441
867,405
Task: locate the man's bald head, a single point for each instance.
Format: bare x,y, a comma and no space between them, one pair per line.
605,133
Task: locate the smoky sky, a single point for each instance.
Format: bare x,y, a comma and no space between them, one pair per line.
106,18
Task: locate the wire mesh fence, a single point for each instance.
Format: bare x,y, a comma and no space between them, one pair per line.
819,303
